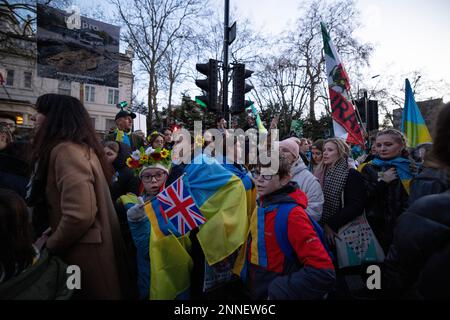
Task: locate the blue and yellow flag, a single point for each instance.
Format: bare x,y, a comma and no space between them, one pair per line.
170,262
413,125
123,137
221,198
402,166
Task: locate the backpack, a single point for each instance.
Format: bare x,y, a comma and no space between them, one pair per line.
281,220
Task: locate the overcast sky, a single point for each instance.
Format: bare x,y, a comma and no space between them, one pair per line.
408,35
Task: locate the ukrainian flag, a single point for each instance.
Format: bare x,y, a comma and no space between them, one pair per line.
254,250
413,125
250,189
221,198
170,262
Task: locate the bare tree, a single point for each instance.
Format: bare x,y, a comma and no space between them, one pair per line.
151,27
18,31
247,48
390,91
174,66
282,85
341,18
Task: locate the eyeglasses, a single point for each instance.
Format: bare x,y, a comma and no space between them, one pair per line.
149,177
257,173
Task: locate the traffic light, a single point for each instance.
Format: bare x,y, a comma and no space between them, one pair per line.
208,85
372,108
122,105
240,88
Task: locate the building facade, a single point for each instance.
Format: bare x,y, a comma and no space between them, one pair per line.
429,110
22,86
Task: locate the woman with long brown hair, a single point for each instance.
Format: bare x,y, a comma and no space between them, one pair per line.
69,192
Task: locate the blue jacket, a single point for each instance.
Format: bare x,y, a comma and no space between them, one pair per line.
140,232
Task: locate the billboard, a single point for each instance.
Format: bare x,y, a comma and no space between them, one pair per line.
74,48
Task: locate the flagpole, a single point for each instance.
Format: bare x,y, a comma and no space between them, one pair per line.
328,101
358,116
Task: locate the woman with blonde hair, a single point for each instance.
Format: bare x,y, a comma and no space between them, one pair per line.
343,188
387,179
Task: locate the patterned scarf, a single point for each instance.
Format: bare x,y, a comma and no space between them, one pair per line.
333,184
122,136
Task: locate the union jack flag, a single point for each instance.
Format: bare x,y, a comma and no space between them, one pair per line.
179,207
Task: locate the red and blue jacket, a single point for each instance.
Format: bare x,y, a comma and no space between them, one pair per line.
270,273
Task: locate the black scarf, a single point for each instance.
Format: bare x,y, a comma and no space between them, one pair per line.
36,199
333,184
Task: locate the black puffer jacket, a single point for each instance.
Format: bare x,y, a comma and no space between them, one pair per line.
429,181
385,203
125,180
14,169
418,261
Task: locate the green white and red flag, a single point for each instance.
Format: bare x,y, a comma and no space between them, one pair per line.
345,123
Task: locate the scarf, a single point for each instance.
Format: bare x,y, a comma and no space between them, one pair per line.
36,198
122,136
258,252
333,184
402,165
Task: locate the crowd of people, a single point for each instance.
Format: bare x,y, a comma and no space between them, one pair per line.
70,199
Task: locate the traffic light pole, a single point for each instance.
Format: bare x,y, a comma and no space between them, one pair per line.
225,109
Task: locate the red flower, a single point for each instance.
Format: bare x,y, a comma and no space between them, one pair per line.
134,163
156,156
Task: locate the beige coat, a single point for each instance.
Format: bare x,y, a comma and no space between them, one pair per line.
85,228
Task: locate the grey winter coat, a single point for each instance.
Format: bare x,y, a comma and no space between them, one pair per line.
310,185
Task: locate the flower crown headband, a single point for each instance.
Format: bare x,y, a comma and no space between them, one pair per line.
141,158
154,133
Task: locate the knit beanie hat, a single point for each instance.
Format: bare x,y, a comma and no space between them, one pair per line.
291,146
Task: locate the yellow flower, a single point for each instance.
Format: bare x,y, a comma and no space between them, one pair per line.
132,163
165,153
143,159
128,162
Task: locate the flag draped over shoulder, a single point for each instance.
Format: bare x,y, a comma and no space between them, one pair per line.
251,195
402,166
413,125
221,198
170,262
345,123
206,196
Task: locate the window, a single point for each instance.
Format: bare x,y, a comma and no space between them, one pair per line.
65,87
89,93
93,122
10,78
110,124
27,79
113,96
